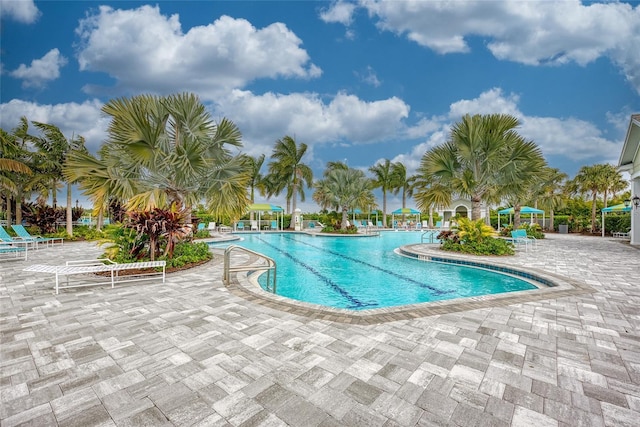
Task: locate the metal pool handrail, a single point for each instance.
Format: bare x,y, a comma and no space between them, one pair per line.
271,265
431,233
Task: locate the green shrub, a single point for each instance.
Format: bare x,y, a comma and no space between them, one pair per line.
352,229
186,253
474,237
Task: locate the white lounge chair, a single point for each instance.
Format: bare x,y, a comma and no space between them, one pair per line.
254,225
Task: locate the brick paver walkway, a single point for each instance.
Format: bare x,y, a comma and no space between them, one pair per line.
194,353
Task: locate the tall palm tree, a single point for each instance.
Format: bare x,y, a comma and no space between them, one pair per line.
256,179
551,195
15,173
483,156
384,178
344,188
54,149
402,182
613,182
594,180
167,150
286,170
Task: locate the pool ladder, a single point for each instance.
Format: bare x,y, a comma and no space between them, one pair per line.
432,234
228,269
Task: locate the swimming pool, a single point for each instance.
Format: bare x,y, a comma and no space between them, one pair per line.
360,273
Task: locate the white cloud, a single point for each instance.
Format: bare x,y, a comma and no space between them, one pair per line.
265,118
72,119
340,12
24,11
41,70
528,32
369,77
208,60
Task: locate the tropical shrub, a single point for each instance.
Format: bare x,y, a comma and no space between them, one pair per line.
336,229
474,237
187,253
42,216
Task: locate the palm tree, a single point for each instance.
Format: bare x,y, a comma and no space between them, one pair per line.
551,195
54,148
256,180
384,179
613,182
15,173
594,179
163,151
287,171
402,182
344,188
482,158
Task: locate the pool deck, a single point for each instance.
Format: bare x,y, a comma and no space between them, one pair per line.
193,353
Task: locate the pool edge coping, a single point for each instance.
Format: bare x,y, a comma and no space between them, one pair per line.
247,287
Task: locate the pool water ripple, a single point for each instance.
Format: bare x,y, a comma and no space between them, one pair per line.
361,273
375,267
355,302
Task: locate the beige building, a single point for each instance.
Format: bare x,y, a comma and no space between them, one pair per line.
630,163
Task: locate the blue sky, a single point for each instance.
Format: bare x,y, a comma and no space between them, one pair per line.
356,81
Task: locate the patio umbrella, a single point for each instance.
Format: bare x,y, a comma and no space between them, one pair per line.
523,210
615,208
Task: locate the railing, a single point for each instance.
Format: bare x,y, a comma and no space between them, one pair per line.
228,269
432,234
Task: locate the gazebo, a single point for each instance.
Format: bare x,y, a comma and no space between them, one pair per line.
267,207
405,211
616,208
523,210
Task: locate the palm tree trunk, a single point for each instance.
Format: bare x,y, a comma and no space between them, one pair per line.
516,216
430,216
54,195
384,209
293,204
9,215
475,207
69,212
593,212
100,219
343,223
19,207
551,227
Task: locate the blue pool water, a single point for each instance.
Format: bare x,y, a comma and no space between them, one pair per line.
362,273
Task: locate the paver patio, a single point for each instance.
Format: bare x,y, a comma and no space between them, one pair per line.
193,353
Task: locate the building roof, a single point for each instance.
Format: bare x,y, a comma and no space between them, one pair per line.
631,142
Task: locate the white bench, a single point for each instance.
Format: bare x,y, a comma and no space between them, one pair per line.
101,266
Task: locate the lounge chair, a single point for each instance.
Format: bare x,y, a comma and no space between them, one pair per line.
24,234
622,235
240,226
211,227
274,224
380,225
312,224
254,225
6,238
200,226
438,224
16,249
519,237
